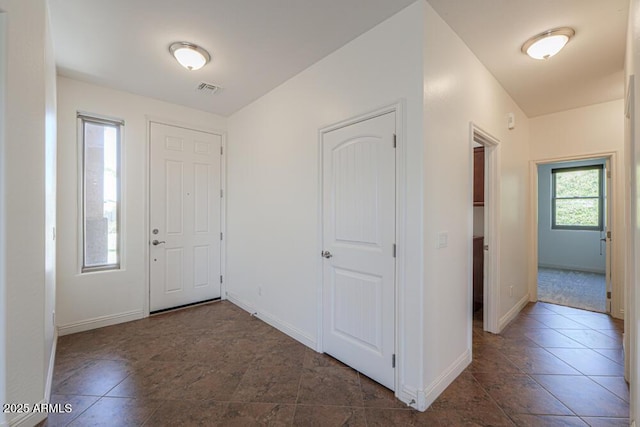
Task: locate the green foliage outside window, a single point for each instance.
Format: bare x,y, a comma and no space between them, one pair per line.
577,198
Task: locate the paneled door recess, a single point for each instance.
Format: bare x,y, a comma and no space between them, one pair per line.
359,246
184,227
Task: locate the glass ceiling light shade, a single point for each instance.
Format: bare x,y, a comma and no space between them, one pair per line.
547,44
190,56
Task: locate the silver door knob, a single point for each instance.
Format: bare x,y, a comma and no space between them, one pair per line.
157,242
326,254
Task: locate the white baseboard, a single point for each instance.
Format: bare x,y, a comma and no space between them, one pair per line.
30,419
427,396
268,318
99,322
235,299
511,314
408,395
52,362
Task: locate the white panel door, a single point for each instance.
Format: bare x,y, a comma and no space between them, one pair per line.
607,231
184,233
358,238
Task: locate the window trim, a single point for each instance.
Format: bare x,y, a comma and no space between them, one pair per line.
600,226
118,124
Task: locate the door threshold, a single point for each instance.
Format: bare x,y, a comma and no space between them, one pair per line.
180,307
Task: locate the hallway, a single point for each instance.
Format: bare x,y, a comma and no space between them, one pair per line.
216,365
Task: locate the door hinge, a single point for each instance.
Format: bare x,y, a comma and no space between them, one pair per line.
221,151
394,250
608,234
395,140
221,278
393,361
221,236
608,295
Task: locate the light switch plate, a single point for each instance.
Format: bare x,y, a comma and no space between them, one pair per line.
443,240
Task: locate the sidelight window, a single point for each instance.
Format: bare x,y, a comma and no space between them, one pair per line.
101,196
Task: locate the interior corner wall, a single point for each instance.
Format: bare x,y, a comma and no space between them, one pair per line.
589,132
632,152
458,90
90,300
273,216
27,81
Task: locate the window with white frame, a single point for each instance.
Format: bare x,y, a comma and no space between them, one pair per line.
100,146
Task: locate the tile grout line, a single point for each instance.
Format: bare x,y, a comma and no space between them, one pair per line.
295,408
495,402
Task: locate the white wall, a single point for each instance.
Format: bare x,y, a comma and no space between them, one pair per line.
28,248
579,250
581,131
588,132
3,253
458,89
50,122
632,168
272,204
90,300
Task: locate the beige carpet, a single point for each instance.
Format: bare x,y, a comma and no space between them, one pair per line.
572,288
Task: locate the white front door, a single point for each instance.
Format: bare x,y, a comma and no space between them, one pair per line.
359,246
184,234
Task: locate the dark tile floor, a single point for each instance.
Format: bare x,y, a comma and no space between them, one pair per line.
216,365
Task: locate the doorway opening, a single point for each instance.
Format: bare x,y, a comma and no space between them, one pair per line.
478,231
574,234
485,244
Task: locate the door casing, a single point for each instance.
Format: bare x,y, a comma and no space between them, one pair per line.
491,277
617,240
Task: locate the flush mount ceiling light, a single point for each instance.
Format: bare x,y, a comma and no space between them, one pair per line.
190,56
547,44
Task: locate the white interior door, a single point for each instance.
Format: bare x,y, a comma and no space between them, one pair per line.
359,246
184,233
608,235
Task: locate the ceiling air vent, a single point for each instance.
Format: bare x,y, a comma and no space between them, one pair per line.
208,88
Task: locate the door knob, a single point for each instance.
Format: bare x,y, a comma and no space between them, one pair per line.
157,242
326,254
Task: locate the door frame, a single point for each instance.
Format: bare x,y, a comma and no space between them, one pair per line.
149,119
618,238
399,279
491,278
